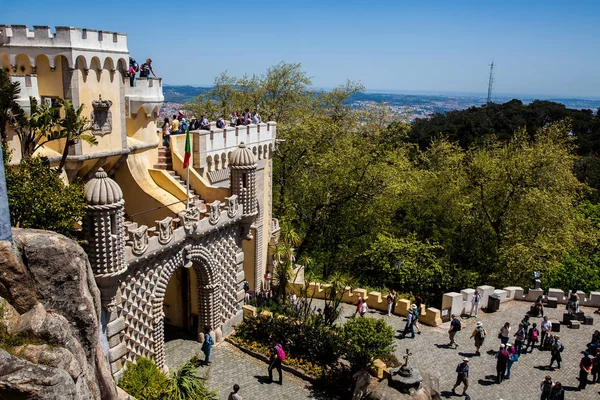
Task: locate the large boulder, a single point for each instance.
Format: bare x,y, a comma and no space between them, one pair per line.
48,281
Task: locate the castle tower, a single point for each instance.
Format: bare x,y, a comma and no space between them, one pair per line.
243,183
104,225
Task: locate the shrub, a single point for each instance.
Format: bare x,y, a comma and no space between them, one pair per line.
38,198
365,339
184,385
143,380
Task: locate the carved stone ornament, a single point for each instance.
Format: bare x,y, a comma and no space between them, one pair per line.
165,230
101,117
214,212
190,217
140,240
232,206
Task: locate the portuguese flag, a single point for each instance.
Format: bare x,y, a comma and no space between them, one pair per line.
188,149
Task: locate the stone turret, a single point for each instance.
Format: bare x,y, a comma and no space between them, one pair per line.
104,225
242,165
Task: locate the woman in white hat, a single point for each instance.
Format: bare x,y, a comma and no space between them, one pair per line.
479,334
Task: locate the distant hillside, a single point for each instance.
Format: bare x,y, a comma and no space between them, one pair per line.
181,94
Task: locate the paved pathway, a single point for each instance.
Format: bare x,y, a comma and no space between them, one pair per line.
430,356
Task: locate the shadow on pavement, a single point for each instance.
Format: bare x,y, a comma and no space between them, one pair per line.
488,381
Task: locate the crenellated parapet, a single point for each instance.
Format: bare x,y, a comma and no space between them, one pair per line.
147,94
198,220
78,46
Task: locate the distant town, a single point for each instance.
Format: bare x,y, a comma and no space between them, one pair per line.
406,107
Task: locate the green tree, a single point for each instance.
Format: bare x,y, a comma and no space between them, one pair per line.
9,93
38,198
71,128
35,130
366,339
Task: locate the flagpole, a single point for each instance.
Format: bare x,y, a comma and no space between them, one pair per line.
187,197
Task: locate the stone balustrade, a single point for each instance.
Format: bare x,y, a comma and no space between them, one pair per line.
459,303
198,219
147,93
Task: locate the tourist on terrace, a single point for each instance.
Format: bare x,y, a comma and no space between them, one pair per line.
207,345
146,69
532,337
525,322
277,356
573,304
475,304
255,118
363,379
585,367
221,122
455,326
194,124
596,369
166,133
363,308
133,69
204,123
410,322
462,371
546,387
175,126
233,120
502,360
479,334
557,348
246,291
546,330
504,334
512,358
520,337
358,305
539,305
557,392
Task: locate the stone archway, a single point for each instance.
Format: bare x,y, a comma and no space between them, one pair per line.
208,289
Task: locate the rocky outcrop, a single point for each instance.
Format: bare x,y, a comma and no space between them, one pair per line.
52,301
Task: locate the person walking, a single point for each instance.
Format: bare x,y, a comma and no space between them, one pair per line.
479,334
462,376
585,367
546,326
525,321
532,337
166,133
235,394
512,358
207,345
504,334
277,356
363,379
475,304
557,348
410,322
557,392
546,387
501,362
455,326
520,337
363,308
391,299
358,305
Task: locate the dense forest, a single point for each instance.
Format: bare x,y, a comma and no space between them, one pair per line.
484,195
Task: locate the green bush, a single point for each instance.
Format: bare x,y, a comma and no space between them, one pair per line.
366,339
143,380
311,340
38,198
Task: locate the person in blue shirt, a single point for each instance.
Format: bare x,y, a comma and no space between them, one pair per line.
462,376
207,345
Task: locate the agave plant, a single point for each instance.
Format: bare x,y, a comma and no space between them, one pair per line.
184,384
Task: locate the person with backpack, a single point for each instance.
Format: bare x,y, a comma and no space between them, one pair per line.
410,322
221,122
146,69
546,387
502,358
557,348
133,69
479,334
532,337
512,358
557,392
207,345
455,326
462,371
235,395
277,357
475,304
520,337
585,367
504,334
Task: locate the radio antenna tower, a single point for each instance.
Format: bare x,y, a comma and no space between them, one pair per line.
491,83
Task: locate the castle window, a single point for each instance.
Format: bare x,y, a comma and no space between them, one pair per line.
244,180
113,224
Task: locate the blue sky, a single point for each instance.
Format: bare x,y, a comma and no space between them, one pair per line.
540,47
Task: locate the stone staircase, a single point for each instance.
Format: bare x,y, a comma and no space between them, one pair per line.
165,162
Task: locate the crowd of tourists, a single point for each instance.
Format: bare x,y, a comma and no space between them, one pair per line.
526,337
144,70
